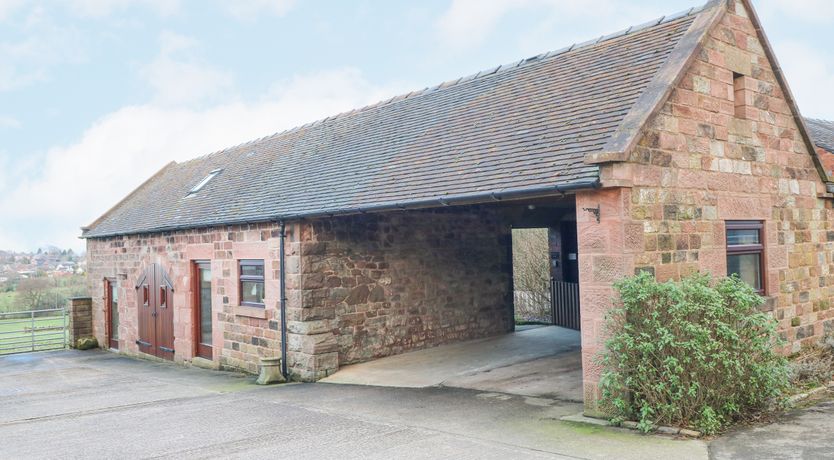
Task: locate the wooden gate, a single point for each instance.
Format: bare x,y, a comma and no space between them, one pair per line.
156,313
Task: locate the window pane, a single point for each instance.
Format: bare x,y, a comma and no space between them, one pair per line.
114,311
747,267
205,306
252,291
251,270
736,237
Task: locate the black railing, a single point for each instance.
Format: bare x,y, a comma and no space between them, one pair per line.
564,304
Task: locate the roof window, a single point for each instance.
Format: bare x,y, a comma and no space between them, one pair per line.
205,181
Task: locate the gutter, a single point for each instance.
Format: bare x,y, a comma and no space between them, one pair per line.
457,200
428,203
283,300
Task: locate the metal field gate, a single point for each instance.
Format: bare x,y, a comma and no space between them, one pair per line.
564,303
34,330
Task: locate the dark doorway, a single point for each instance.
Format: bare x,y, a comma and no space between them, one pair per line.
156,313
570,253
202,309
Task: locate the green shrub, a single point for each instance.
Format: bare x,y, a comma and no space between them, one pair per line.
691,353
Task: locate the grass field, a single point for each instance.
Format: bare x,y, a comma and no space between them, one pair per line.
7,301
16,333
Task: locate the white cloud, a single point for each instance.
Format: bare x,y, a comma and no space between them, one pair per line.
468,22
252,9
12,78
9,122
45,45
7,7
74,184
178,78
104,8
807,70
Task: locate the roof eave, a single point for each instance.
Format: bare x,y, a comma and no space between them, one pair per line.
428,203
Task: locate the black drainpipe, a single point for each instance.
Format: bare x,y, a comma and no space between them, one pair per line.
283,302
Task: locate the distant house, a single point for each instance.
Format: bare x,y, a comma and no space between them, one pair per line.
670,147
65,267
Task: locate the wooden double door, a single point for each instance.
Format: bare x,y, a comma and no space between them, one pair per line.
156,313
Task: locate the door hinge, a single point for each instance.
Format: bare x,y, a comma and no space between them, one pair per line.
169,350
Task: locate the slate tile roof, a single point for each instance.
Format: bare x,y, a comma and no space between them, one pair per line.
822,133
513,128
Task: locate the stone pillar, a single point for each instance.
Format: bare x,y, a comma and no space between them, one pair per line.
311,343
605,255
80,319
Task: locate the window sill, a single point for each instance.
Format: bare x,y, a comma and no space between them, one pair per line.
250,312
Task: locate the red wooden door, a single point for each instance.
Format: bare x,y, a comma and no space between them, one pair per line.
202,312
147,331
111,313
156,313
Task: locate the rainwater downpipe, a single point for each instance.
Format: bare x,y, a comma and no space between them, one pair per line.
283,300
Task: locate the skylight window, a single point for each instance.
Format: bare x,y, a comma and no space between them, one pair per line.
205,181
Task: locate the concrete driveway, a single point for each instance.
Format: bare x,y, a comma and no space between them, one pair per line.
801,434
100,405
544,362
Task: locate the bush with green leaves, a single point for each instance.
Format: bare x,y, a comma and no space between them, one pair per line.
696,352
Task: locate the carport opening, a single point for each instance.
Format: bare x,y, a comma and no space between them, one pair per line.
539,360
545,270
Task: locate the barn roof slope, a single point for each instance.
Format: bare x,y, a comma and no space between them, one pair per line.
519,128
822,133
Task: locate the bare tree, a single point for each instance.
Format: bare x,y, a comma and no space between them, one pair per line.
33,293
531,273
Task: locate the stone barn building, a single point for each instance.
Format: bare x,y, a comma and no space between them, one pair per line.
673,146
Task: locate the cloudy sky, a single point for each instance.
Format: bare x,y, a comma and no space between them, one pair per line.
96,95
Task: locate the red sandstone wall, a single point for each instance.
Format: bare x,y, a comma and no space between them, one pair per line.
702,162
239,340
